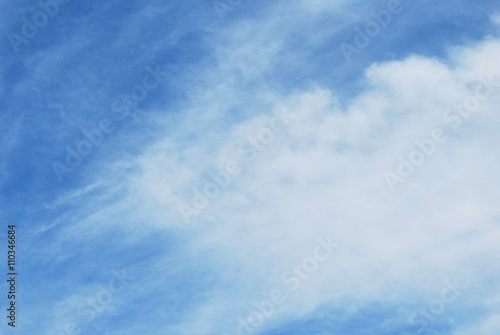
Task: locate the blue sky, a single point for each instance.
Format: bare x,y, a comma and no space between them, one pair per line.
172,166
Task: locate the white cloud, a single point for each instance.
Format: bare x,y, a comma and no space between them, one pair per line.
324,175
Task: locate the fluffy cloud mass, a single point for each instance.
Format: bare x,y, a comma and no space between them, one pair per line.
324,174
